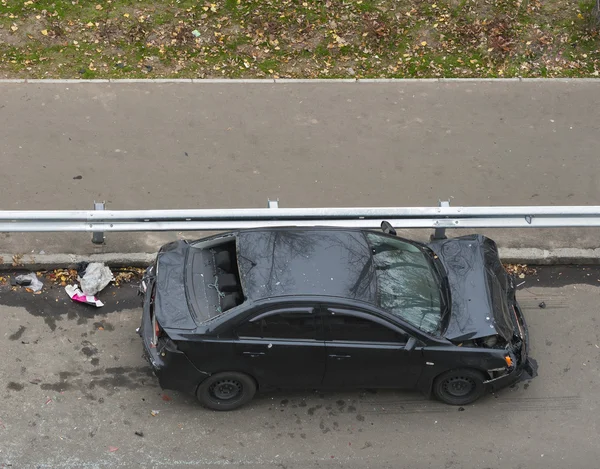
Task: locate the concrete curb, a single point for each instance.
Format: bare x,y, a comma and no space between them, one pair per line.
530,256
534,256
272,81
61,261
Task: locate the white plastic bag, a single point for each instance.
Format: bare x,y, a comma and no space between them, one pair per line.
95,278
30,281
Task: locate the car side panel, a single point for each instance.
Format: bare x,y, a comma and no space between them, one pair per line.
439,359
273,363
355,365
284,364
210,355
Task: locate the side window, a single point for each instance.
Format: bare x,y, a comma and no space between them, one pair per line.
283,324
344,327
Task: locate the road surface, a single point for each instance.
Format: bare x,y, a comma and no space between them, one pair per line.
185,145
75,389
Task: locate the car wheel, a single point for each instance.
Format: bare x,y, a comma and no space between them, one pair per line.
226,391
459,387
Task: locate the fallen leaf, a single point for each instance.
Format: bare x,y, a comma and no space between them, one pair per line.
44,32
98,7
14,27
112,449
126,15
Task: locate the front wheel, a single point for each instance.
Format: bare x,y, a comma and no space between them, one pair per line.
459,387
226,391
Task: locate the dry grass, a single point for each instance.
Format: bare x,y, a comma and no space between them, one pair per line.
295,38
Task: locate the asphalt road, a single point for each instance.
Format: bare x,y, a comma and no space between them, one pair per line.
134,145
75,389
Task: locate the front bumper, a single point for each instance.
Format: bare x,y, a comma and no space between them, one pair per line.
524,363
505,380
171,366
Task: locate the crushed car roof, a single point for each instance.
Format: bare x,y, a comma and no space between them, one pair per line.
305,262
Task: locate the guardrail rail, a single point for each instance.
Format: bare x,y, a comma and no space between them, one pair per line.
100,220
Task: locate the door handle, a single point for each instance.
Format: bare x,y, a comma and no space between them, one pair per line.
253,354
340,357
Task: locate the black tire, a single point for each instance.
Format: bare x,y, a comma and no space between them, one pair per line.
459,387
226,391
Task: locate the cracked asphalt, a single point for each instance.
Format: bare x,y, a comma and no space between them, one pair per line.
76,393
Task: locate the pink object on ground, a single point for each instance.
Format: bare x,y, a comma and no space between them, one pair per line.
77,295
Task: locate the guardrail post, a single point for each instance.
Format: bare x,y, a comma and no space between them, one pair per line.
98,236
440,233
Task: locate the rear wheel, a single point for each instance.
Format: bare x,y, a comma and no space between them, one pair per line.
459,387
226,391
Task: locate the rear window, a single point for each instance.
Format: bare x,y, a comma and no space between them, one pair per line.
406,285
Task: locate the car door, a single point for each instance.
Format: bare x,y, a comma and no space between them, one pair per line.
366,351
283,347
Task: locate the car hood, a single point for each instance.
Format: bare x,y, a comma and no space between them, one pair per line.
480,289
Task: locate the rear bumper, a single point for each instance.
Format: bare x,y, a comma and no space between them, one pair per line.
172,367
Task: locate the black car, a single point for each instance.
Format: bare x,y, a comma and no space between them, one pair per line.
283,308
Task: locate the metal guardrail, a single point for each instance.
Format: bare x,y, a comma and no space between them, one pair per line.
439,218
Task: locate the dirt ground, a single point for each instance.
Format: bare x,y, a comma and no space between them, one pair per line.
298,39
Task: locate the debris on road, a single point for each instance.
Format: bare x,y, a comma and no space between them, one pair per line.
140,434
96,277
154,413
112,449
29,280
519,270
62,277
77,295
542,304
126,275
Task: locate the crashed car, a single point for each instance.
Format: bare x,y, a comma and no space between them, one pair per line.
329,308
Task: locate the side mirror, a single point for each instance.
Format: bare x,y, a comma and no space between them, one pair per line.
411,344
387,228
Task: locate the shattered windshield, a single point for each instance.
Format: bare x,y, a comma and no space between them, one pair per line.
406,285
